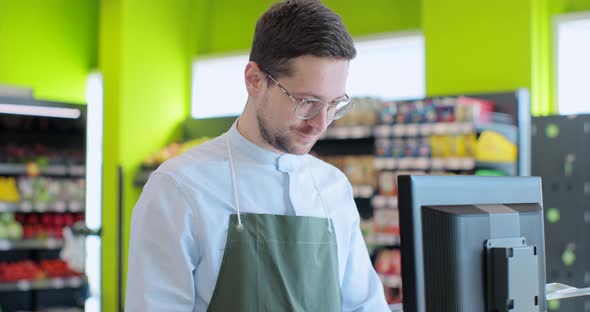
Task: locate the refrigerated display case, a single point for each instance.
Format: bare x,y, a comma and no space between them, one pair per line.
44,261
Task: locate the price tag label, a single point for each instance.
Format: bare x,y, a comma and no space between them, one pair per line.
75,206
57,283
51,243
382,131
5,244
23,285
412,130
26,206
74,282
59,206
398,130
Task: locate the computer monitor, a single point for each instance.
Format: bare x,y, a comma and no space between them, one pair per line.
472,243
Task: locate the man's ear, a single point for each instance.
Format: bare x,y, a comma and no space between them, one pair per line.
254,78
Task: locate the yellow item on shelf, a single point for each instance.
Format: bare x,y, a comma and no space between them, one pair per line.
8,190
493,147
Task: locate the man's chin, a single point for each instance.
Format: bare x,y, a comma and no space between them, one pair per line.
302,148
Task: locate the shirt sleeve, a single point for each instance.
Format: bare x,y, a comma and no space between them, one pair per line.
362,289
162,250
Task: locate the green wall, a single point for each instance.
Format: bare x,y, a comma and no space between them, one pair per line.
228,25
144,56
49,46
476,46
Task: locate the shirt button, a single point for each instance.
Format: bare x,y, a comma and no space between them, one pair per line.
286,162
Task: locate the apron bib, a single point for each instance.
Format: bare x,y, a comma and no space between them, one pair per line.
274,263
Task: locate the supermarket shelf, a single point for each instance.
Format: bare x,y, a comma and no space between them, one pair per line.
57,206
384,201
386,239
30,244
142,176
447,128
424,163
349,132
508,131
51,283
363,191
391,281
507,168
51,170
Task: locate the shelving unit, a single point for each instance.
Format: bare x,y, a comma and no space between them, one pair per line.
359,136
44,284
31,244
43,171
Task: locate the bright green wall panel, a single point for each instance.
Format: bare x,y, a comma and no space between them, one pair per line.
154,78
570,6
110,66
228,25
49,46
476,46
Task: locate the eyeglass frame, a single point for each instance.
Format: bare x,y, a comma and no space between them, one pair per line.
301,101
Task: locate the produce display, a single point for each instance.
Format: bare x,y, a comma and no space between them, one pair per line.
28,270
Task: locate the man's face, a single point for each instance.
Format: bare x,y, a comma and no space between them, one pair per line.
312,78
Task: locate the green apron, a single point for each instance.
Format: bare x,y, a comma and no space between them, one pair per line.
274,263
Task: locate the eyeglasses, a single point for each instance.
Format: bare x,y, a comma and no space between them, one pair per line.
309,108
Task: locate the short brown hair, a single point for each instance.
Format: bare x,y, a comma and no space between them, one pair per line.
293,28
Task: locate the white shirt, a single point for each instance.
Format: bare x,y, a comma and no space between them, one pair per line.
179,224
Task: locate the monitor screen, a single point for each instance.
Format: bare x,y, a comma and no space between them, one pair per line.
472,243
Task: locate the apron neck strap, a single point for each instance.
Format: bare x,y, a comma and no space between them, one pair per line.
240,226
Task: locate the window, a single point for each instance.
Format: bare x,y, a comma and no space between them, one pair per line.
572,63
218,87
391,67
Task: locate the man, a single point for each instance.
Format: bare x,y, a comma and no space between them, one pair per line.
249,221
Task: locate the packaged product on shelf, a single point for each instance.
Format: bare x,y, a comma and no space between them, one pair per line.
475,110
445,109
387,113
470,143
494,147
387,185
398,148
458,146
429,112
404,111
411,147
368,230
360,170
386,224
384,147
388,262
417,112
369,117
424,148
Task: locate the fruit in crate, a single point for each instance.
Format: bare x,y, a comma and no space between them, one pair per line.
8,190
14,231
20,270
57,268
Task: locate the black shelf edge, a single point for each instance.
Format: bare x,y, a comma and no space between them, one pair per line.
45,284
73,206
51,170
31,244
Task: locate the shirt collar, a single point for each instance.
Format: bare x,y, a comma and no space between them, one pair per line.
282,162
